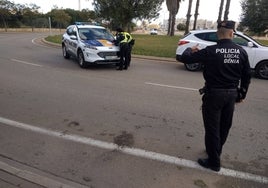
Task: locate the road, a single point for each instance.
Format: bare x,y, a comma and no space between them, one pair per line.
102,128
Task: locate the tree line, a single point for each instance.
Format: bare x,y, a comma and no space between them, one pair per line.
23,15
121,13
254,17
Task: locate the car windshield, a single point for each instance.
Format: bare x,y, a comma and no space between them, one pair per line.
95,34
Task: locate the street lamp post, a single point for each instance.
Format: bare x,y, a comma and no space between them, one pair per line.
49,22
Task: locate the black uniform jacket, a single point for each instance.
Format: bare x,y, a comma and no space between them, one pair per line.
225,64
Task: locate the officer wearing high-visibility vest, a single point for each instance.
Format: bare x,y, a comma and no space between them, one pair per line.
125,41
227,77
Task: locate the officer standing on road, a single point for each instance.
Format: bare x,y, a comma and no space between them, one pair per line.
227,78
125,42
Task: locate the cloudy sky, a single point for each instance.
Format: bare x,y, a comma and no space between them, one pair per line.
208,9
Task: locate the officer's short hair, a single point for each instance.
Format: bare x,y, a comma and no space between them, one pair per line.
228,24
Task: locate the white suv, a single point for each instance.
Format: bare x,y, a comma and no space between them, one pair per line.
153,32
258,54
89,44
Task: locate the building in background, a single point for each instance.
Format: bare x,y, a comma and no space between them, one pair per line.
201,24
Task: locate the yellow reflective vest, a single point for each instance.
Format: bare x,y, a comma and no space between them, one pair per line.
125,37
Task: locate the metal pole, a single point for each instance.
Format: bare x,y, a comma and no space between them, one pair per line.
49,22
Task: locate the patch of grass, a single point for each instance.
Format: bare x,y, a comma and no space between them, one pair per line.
149,45
155,45
54,39
263,42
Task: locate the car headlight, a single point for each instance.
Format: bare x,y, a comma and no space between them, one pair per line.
90,47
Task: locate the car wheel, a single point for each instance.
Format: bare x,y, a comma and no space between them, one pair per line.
262,70
65,54
81,59
193,66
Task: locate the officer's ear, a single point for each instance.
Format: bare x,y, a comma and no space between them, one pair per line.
232,34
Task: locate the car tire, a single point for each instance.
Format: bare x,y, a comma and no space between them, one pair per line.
262,70
81,59
193,66
65,54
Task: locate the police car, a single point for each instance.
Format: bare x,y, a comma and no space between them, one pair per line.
257,53
90,44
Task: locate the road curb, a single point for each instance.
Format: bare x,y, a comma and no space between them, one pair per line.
43,40
27,174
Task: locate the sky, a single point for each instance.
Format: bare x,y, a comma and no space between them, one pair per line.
208,9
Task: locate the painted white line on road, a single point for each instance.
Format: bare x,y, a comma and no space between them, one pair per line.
134,151
170,86
38,43
25,62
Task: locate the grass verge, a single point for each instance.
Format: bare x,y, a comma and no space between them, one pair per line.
150,45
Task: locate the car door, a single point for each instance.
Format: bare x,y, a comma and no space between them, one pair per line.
72,40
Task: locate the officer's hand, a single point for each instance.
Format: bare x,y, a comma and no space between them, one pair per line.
239,101
241,95
195,48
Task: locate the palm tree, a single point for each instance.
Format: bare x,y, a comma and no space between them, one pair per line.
173,7
227,7
196,13
220,11
188,16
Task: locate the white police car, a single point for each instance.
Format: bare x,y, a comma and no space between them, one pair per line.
90,44
257,53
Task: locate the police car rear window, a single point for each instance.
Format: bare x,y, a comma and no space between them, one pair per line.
211,36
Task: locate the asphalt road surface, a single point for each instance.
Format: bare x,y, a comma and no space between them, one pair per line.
102,128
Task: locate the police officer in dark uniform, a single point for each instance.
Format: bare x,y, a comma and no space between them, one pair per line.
125,42
227,78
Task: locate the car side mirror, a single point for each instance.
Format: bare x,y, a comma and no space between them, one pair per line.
250,44
73,37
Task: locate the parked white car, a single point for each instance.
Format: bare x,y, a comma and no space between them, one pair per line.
90,44
257,53
153,32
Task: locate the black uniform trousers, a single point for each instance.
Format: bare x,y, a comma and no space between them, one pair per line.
217,110
125,55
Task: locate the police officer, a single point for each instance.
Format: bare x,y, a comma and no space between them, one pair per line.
125,42
227,78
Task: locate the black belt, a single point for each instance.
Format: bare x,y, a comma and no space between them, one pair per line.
222,89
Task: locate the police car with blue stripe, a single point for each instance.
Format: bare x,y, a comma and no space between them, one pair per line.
90,44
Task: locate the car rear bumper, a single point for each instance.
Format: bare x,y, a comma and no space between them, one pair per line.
178,58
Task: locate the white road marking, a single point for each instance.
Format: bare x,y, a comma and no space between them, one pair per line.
170,86
25,62
43,43
134,151
38,43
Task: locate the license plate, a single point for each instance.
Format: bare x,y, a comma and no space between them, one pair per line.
110,57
